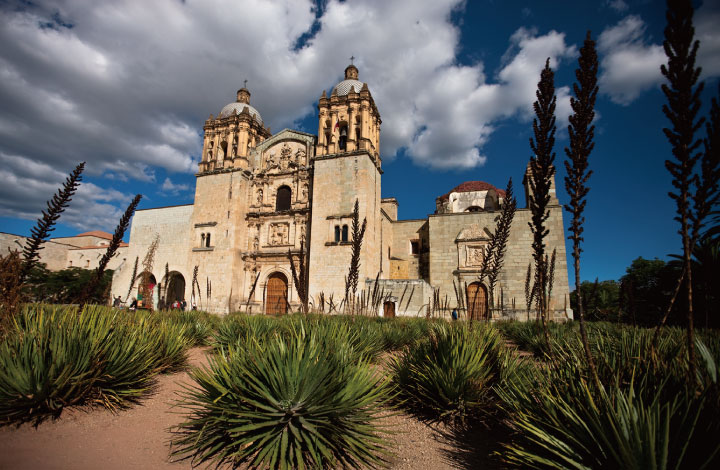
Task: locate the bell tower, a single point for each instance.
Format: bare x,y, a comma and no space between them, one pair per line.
349,121
346,169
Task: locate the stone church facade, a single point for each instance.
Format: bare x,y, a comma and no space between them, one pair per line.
261,199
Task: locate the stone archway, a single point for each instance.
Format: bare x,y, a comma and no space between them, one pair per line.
276,294
175,288
146,295
477,302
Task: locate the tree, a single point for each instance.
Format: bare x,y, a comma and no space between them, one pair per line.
581,133
542,171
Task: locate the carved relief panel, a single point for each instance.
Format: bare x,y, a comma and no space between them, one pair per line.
279,234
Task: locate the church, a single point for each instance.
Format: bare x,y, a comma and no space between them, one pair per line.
262,199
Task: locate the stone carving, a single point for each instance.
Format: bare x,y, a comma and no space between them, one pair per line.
279,234
300,157
304,191
271,163
256,243
259,198
474,232
475,255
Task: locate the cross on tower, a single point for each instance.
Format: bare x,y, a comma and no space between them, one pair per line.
352,57
245,83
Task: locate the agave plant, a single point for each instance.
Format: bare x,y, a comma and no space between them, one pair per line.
644,417
287,403
452,375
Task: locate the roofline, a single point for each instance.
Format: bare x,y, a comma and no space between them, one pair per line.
163,207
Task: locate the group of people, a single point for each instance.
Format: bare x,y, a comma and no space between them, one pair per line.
176,305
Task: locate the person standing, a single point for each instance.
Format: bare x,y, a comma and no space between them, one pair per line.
454,314
183,305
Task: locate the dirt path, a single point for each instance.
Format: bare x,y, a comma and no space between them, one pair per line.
138,438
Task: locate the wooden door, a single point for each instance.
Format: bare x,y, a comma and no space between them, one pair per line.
477,301
277,294
389,310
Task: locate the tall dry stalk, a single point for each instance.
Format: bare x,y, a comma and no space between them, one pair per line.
358,232
541,175
133,278
147,264
682,108
46,224
112,248
499,239
300,279
581,133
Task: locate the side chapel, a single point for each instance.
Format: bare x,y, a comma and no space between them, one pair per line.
261,198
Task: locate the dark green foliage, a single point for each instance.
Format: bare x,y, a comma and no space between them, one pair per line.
648,287
284,402
600,300
65,286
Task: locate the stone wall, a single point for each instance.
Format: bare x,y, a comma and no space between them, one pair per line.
445,259
404,232
338,181
172,226
410,296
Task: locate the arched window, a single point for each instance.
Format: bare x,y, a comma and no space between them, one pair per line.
282,201
345,233
473,209
207,240
337,233
342,143
202,239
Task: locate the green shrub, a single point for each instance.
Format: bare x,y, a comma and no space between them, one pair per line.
285,402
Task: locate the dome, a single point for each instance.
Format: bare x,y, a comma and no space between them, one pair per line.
472,186
238,107
343,88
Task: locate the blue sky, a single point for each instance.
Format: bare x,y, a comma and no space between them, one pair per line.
127,85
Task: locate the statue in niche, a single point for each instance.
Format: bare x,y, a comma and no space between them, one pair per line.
475,255
305,191
302,233
259,198
256,243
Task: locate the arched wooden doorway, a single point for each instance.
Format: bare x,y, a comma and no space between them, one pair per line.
276,297
389,310
477,301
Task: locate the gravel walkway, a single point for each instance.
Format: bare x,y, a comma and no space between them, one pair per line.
138,438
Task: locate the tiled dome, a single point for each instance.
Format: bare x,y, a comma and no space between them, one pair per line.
343,88
228,110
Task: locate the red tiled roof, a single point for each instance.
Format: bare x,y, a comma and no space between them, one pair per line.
96,233
469,186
